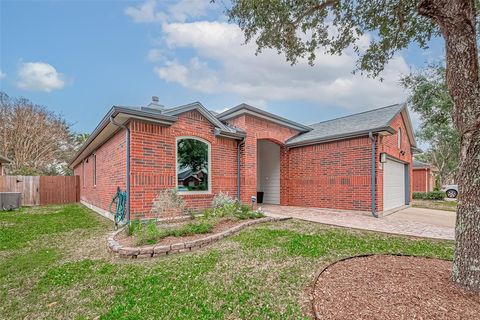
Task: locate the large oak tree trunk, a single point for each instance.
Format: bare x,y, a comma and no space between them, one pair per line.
456,19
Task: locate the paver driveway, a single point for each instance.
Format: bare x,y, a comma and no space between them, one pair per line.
416,222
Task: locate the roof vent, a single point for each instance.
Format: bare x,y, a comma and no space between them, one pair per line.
155,104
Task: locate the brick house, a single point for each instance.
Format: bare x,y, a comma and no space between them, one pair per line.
245,150
423,176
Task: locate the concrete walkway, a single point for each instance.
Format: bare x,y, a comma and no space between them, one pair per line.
415,222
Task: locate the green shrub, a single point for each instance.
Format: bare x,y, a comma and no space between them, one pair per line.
150,233
226,206
244,212
132,226
432,195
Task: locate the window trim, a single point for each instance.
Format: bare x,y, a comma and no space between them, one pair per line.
209,190
94,169
83,173
399,138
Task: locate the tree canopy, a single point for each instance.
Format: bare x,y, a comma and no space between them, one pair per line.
192,154
38,141
430,99
299,28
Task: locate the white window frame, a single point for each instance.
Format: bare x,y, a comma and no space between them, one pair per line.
83,173
209,191
399,138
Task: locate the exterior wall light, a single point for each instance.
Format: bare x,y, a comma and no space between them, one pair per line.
383,157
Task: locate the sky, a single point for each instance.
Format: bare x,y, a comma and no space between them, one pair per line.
79,58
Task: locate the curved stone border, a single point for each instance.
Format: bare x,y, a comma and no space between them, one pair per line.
161,250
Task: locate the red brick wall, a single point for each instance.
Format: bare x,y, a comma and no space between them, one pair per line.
260,129
389,145
153,166
111,171
422,180
331,175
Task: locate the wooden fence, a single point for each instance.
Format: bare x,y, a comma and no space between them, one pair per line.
39,190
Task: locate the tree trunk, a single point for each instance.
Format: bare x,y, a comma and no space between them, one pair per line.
456,19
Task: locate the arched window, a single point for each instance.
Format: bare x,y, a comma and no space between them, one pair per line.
399,137
193,165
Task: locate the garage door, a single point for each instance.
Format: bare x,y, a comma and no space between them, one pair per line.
393,184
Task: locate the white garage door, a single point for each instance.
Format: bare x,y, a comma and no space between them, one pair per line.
393,184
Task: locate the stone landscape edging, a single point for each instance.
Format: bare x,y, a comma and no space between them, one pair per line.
181,246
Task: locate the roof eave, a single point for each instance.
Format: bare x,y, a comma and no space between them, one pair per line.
131,114
245,108
229,134
384,130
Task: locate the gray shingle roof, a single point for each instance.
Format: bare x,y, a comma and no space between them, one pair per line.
420,164
353,125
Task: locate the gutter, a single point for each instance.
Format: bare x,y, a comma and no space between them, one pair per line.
373,173
127,184
239,145
228,134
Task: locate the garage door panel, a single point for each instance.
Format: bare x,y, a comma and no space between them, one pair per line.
393,184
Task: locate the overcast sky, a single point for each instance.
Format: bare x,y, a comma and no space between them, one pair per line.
81,57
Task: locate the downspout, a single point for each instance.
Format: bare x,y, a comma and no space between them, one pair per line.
127,187
373,173
239,145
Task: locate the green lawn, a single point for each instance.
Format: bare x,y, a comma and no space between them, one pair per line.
54,265
435,204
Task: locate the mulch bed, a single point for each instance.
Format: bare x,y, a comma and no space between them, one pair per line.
224,224
392,287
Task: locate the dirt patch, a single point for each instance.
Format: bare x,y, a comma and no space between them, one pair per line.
124,240
392,287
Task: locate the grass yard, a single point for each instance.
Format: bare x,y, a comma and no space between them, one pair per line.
435,204
54,265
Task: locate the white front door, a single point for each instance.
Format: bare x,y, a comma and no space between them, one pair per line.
393,185
268,171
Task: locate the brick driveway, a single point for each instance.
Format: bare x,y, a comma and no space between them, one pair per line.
415,222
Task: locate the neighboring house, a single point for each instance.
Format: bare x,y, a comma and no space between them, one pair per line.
189,178
423,176
330,164
3,161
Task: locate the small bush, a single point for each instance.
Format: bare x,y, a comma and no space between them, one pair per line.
432,195
150,233
244,212
133,226
224,205
168,203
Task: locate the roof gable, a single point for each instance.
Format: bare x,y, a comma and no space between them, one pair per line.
200,108
408,125
248,109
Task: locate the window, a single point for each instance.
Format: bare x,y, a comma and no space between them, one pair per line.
94,169
193,165
399,137
83,173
